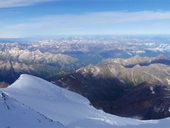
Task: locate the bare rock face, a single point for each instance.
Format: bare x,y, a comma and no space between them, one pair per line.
146,101
138,88
3,85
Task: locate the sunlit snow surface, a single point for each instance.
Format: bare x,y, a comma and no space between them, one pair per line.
69,108
16,115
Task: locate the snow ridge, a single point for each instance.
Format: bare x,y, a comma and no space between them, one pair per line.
69,108
17,115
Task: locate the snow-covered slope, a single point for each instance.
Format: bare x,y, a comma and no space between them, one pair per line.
16,115
67,107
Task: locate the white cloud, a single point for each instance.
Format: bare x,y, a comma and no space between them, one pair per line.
18,3
97,18
91,22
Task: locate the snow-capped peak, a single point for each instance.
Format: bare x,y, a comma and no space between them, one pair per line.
54,102
69,108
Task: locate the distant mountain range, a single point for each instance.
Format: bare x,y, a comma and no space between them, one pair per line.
135,87
14,62
107,71
52,59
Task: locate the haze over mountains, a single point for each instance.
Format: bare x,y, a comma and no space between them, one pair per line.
51,59
84,64
127,77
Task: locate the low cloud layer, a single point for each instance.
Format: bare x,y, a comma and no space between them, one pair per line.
107,22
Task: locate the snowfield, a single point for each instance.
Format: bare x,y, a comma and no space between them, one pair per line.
16,115
68,108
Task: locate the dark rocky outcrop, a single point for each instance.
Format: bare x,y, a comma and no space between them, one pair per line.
140,91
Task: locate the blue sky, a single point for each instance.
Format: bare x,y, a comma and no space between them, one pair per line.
34,18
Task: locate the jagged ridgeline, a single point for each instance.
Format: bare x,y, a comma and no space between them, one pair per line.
134,87
16,61
53,59
53,106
